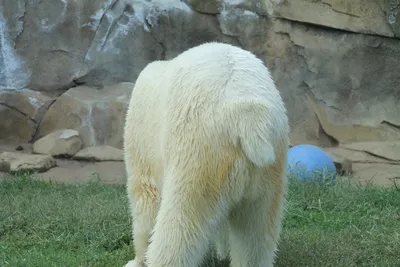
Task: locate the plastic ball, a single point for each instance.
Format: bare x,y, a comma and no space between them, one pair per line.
310,163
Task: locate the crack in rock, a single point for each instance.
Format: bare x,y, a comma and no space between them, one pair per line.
114,23
321,27
338,11
36,129
22,19
316,100
391,125
17,110
112,4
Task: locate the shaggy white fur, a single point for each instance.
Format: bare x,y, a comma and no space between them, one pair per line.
206,139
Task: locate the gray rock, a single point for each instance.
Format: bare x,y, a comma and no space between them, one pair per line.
65,142
389,151
363,16
356,156
15,162
44,43
205,6
334,80
20,113
98,114
100,153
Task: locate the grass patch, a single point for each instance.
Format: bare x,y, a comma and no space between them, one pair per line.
54,224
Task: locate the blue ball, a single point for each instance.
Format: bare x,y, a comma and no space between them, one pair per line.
310,163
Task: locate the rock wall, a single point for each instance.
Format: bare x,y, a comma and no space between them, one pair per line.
62,62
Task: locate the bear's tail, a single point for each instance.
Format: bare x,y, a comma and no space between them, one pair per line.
257,146
257,133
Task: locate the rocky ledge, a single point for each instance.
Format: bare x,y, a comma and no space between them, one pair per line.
72,65
58,156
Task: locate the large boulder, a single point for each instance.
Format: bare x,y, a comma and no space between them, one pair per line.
98,114
61,143
20,113
358,83
44,43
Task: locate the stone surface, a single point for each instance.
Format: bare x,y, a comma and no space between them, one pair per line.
356,156
372,162
176,27
376,174
45,42
365,16
339,81
14,126
10,147
261,7
239,22
354,98
100,42
98,114
343,165
385,150
64,143
100,153
218,6
122,44
205,6
69,171
20,113
327,103
20,162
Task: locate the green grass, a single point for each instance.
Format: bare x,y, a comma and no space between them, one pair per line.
49,224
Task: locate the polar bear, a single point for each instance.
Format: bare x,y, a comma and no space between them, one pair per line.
205,145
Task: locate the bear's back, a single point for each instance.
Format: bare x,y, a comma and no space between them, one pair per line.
214,74
197,99
208,80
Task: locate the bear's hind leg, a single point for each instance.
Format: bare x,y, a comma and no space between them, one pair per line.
222,242
190,213
254,231
143,198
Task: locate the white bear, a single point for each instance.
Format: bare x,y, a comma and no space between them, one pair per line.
205,142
